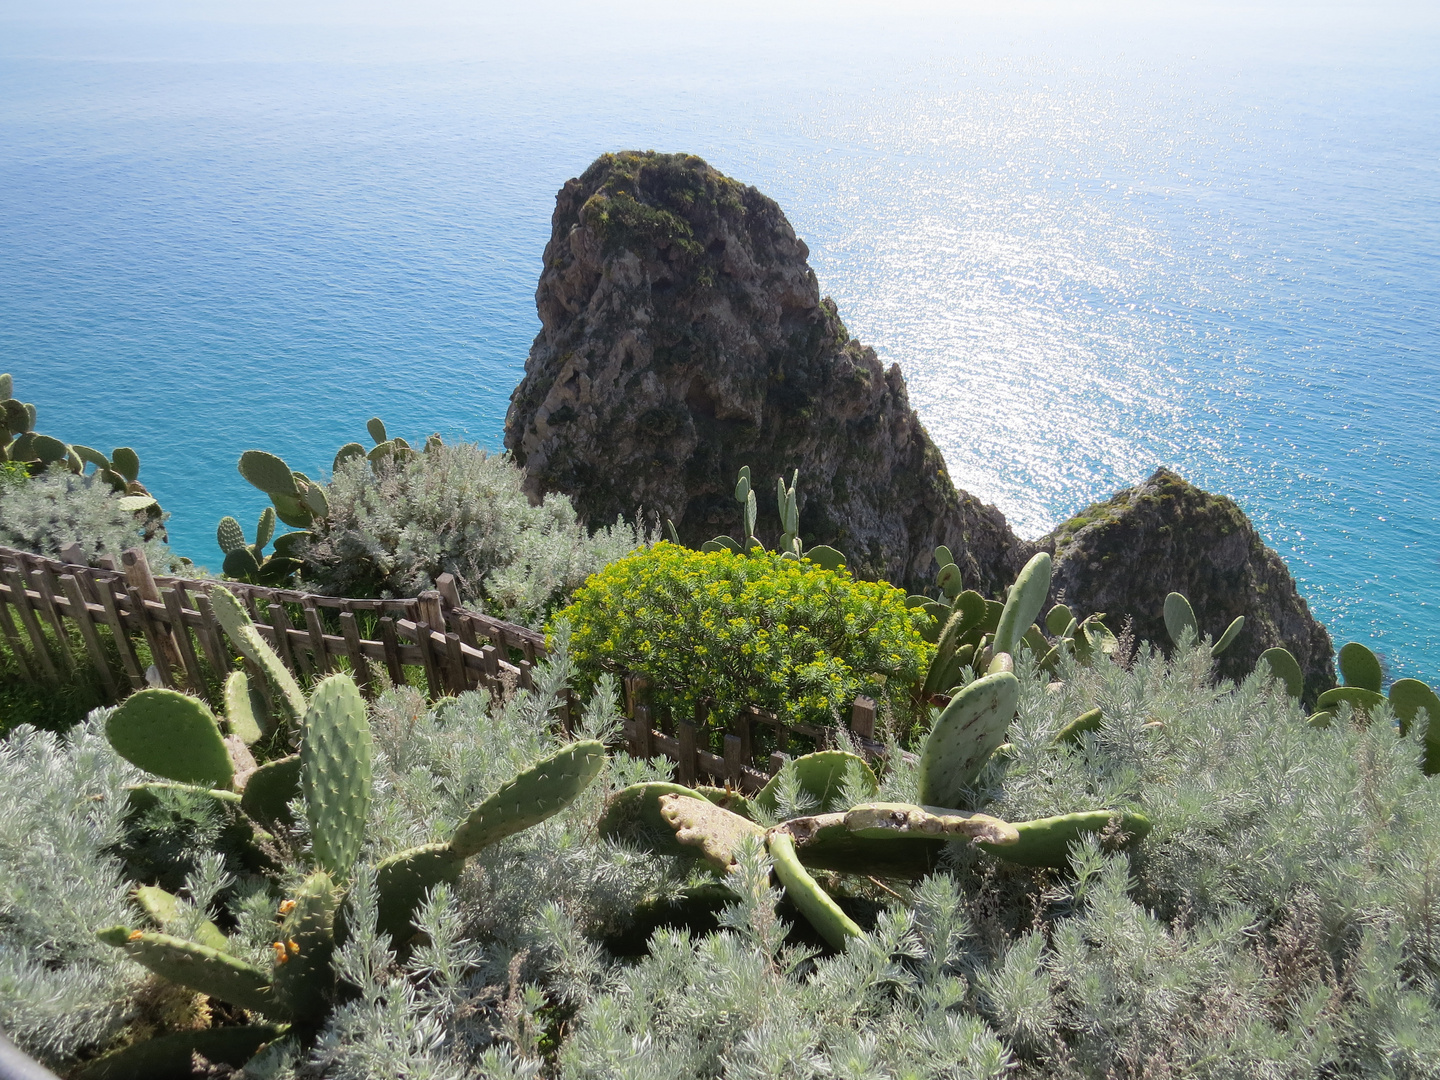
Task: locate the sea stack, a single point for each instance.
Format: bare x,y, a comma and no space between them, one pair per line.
683,335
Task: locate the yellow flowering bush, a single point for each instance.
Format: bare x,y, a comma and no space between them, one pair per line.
756,629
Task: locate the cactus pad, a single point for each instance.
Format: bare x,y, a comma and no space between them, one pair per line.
633,815
1408,697
240,709
965,735
826,557
1360,699
235,621
268,473
1088,721
1285,667
1046,841
1179,617
820,776
950,581
403,880
270,790
824,843
539,792
171,735
164,909
815,903
1360,667
229,535
713,830
126,462
304,980
1027,597
1228,637
346,453
335,772
904,821
207,970
171,1057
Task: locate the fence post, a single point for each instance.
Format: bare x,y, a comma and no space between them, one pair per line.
142,585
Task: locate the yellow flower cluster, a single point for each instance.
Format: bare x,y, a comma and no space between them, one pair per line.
737,629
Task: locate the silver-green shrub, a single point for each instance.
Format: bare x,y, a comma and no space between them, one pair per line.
396,526
61,804
1281,920
48,512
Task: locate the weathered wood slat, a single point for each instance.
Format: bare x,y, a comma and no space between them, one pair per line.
456,677
208,631
20,600
181,635
280,626
42,580
356,653
80,613
121,635
319,654
12,638
156,636
390,643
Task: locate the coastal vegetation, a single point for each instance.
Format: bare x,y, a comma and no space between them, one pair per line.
1062,852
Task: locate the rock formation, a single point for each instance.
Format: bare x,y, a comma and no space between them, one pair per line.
1123,555
683,335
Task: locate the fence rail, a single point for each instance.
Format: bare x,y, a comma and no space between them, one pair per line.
448,647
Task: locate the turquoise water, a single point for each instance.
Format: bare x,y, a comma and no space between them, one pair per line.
1094,242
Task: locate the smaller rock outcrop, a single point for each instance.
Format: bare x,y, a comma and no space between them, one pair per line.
1122,556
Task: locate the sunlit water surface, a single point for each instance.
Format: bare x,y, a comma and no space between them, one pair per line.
1209,241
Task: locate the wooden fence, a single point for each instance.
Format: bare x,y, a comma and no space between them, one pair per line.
456,649
430,637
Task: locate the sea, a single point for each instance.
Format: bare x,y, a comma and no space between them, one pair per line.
1097,238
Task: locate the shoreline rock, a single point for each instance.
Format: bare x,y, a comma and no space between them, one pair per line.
683,334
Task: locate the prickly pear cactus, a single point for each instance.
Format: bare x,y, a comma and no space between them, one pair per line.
1285,667
540,791
235,621
270,790
964,736
1027,597
210,971
303,978
171,735
1361,667
712,831
1180,617
174,1055
336,761
837,928
1046,841
820,776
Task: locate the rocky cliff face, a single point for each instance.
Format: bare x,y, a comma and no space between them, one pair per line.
1123,556
683,335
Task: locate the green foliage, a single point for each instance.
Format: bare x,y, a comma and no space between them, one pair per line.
736,629
396,524
248,562
50,511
